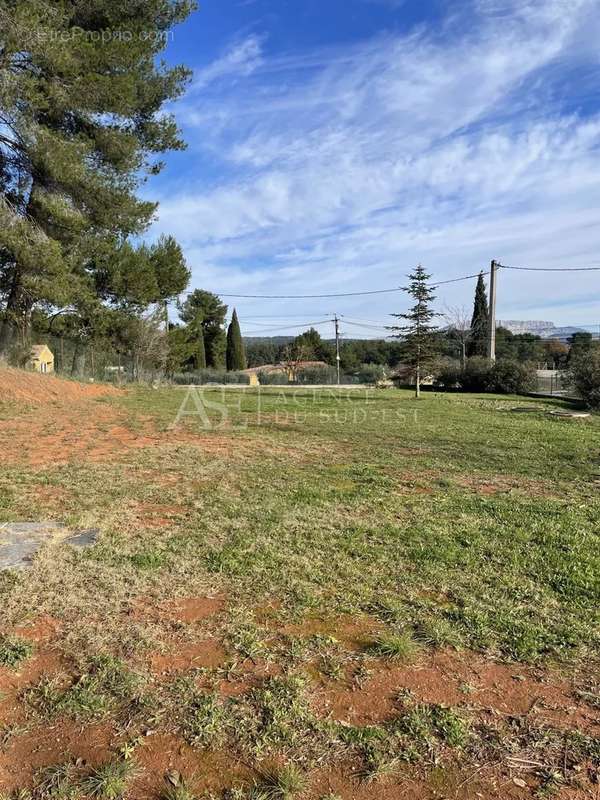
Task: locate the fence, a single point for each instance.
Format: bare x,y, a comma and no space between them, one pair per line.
555,383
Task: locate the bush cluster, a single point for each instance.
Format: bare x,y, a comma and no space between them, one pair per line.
584,375
503,377
206,376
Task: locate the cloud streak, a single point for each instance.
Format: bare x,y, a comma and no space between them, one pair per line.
347,166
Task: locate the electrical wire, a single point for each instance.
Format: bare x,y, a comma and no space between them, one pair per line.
552,269
288,327
342,294
398,288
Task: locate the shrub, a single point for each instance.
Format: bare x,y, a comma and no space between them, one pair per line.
317,375
476,375
203,377
448,374
273,378
584,374
370,373
511,377
504,377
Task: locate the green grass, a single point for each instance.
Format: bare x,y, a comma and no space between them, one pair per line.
395,646
278,784
448,522
110,781
105,684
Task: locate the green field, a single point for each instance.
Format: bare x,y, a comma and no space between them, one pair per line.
341,537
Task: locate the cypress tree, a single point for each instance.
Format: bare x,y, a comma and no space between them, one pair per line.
236,356
477,345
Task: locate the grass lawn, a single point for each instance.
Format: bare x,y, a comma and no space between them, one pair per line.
302,594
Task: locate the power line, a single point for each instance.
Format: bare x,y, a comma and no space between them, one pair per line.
288,327
552,269
394,289
342,294
304,296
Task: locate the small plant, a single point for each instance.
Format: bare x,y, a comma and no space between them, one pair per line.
379,766
106,682
203,718
110,781
176,788
397,646
58,782
278,784
13,651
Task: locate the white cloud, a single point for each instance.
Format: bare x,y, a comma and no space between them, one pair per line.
343,168
239,61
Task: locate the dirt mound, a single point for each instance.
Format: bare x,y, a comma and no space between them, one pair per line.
19,386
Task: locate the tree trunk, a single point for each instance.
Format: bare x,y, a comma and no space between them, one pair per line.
418,383
78,366
9,327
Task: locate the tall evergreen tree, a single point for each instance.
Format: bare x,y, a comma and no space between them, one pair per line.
205,310
236,355
81,96
477,345
418,334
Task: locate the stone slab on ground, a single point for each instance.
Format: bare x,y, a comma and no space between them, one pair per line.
19,541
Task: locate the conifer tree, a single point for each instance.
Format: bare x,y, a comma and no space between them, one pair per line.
477,345
418,334
82,92
205,310
236,355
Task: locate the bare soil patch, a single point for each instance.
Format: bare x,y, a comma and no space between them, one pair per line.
203,771
457,679
353,633
184,656
19,386
52,744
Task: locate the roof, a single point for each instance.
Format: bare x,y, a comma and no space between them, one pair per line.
39,349
283,367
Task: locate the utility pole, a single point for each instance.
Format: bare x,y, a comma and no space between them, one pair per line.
337,346
491,347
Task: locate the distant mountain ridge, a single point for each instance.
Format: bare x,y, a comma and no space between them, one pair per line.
547,330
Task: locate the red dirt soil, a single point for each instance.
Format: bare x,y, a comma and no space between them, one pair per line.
18,386
52,744
457,679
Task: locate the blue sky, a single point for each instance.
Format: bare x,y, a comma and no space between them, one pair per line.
333,144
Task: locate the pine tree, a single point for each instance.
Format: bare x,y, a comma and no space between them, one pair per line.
477,345
205,309
418,334
236,355
82,90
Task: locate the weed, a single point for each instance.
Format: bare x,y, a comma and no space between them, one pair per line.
105,684
13,651
176,788
246,637
397,646
148,560
278,784
110,781
203,718
57,782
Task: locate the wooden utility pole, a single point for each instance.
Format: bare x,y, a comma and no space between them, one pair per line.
337,347
491,347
